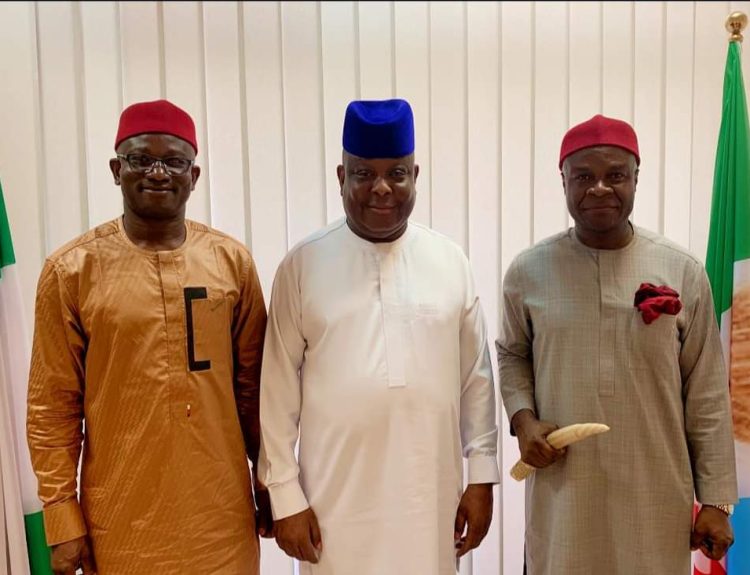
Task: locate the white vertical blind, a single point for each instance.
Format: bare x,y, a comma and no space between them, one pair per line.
493,86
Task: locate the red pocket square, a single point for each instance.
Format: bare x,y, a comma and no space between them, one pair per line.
652,301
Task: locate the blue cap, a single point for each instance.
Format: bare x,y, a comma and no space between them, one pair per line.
379,129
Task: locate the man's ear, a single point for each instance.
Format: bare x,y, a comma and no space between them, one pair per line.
195,173
114,167
341,174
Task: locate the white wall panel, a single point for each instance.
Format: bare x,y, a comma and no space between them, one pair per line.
102,101
448,119
483,172
265,128
412,49
493,86
516,228
65,193
678,127
550,108
303,109
185,85
648,101
224,115
375,36
142,51
708,81
21,156
586,55
339,23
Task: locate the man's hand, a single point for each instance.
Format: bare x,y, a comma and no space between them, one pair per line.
67,557
299,536
532,439
263,516
712,533
474,510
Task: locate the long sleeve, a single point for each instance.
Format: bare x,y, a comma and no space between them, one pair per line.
55,406
281,397
708,416
514,348
478,424
248,333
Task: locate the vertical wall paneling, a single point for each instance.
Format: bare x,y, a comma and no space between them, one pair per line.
710,57
303,110
617,60
102,100
375,50
586,57
448,119
678,121
483,169
185,85
648,117
517,146
141,48
265,128
21,156
493,86
60,101
550,107
338,21
224,118
412,74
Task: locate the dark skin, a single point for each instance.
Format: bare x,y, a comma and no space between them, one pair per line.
379,196
600,184
154,219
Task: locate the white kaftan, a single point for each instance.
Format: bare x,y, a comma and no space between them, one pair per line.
377,353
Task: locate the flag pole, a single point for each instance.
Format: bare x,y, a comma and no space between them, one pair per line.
736,22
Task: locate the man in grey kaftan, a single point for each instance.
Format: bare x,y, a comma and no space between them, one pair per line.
574,349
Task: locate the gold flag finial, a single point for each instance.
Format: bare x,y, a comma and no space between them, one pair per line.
735,24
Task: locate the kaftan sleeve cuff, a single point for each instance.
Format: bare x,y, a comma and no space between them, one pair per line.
287,499
516,402
483,469
63,522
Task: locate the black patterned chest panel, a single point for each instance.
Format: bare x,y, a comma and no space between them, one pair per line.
192,293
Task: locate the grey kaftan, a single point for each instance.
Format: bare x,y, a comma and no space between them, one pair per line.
575,349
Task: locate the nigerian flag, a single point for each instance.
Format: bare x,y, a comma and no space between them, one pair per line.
23,548
728,267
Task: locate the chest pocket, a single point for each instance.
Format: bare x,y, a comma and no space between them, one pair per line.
653,345
208,321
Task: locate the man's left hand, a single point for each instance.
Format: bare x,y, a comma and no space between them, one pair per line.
263,516
474,511
712,533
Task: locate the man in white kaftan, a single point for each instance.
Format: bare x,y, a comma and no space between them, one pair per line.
574,348
376,354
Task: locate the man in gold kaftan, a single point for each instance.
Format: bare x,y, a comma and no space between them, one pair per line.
149,330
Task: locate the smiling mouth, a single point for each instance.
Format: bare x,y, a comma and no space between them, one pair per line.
382,209
157,191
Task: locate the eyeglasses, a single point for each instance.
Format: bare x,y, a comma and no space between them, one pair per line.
144,163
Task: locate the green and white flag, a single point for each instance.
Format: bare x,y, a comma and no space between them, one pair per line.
23,548
728,267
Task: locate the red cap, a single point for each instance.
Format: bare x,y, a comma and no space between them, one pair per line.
157,117
599,131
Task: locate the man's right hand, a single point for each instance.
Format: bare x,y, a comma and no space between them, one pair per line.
299,536
532,439
67,557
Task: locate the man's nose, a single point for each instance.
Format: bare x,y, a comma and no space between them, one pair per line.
381,187
158,172
599,189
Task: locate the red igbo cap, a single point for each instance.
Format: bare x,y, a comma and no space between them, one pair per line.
157,117
599,131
